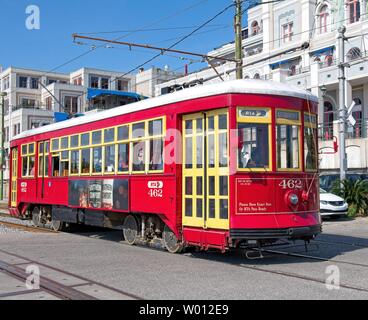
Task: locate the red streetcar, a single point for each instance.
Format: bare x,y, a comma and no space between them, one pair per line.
228,165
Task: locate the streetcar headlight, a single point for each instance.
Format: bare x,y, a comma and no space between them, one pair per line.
294,199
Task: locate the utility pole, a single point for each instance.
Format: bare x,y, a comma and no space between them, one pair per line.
342,107
2,157
238,39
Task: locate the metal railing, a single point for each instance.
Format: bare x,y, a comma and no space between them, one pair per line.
358,131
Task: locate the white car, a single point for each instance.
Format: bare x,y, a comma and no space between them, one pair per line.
332,205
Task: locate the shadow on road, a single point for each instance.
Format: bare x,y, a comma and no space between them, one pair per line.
326,246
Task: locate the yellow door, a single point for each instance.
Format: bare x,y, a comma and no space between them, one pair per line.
206,170
14,177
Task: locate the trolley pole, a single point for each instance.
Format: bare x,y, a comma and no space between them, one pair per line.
2,156
342,107
238,39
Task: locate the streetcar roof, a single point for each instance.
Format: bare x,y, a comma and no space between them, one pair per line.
246,86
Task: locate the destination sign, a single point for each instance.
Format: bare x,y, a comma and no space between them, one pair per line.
288,115
253,113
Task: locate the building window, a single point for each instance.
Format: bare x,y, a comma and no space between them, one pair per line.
34,83
287,32
255,28
6,83
323,19
354,53
105,83
71,104
28,103
328,118
293,70
48,103
354,10
257,76
22,82
357,114
51,81
94,82
78,81
122,85
329,60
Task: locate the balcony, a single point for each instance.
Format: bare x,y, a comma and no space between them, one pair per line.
326,132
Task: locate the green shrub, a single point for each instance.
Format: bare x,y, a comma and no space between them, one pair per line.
355,194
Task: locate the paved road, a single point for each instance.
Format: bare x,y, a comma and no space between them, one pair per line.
97,256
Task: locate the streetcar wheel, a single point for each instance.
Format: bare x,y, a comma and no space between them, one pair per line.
130,230
172,244
36,217
56,225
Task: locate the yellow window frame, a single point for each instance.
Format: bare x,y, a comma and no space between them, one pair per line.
313,126
256,120
27,156
282,121
90,162
70,162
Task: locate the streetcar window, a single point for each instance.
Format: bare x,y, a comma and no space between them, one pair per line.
65,155
84,139
64,144
74,141
110,159
199,153
139,156
189,127
222,119
310,148
31,148
123,157
211,123
74,162
86,161
97,160
211,151
55,165
109,135
156,150
55,144
24,166
96,137
287,140
43,159
310,142
31,166
138,130
188,152
64,168
28,160
155,127
40,166
47,149
123,133
253,150
222,149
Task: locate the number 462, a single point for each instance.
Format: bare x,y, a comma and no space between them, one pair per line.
291,184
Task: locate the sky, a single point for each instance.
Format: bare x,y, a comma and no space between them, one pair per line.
51,47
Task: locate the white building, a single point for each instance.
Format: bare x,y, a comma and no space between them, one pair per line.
274,48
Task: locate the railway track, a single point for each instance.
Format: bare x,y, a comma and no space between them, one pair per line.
26,227
57,289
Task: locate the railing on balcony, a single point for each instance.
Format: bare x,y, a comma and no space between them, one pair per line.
358,131
325,131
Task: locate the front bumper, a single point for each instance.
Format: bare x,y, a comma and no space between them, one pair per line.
288,233
326,212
